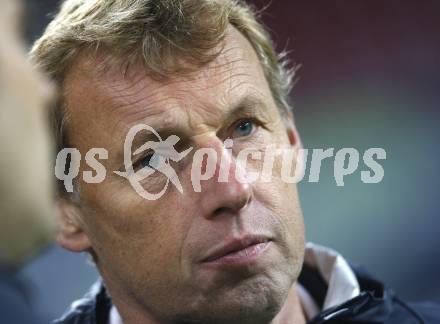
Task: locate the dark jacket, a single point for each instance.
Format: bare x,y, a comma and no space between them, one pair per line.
375,304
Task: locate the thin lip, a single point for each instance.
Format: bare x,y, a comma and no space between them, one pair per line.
234,245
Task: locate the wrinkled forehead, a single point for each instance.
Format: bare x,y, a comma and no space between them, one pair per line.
119,98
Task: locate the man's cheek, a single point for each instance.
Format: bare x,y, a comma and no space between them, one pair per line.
141,252
272,165
149,230
156,260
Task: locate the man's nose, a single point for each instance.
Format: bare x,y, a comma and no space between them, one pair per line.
224,193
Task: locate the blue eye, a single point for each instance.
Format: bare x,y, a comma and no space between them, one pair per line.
245,128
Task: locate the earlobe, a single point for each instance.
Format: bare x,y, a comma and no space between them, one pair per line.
70,232
293,135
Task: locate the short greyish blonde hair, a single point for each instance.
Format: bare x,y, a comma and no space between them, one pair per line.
159,32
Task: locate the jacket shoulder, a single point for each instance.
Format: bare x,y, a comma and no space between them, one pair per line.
378,304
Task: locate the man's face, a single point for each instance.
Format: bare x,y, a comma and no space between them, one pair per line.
156,255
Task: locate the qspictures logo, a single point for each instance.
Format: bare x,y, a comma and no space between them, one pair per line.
206,163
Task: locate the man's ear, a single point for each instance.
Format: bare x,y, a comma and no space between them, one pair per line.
70,232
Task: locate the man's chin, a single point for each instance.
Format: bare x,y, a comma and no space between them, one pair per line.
256,299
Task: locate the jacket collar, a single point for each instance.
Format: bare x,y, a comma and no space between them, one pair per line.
343,292
326,280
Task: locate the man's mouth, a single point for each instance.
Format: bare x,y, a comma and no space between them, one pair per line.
238,251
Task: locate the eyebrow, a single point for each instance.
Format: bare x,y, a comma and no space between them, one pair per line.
248,106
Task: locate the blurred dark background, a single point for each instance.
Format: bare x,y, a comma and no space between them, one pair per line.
369,77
